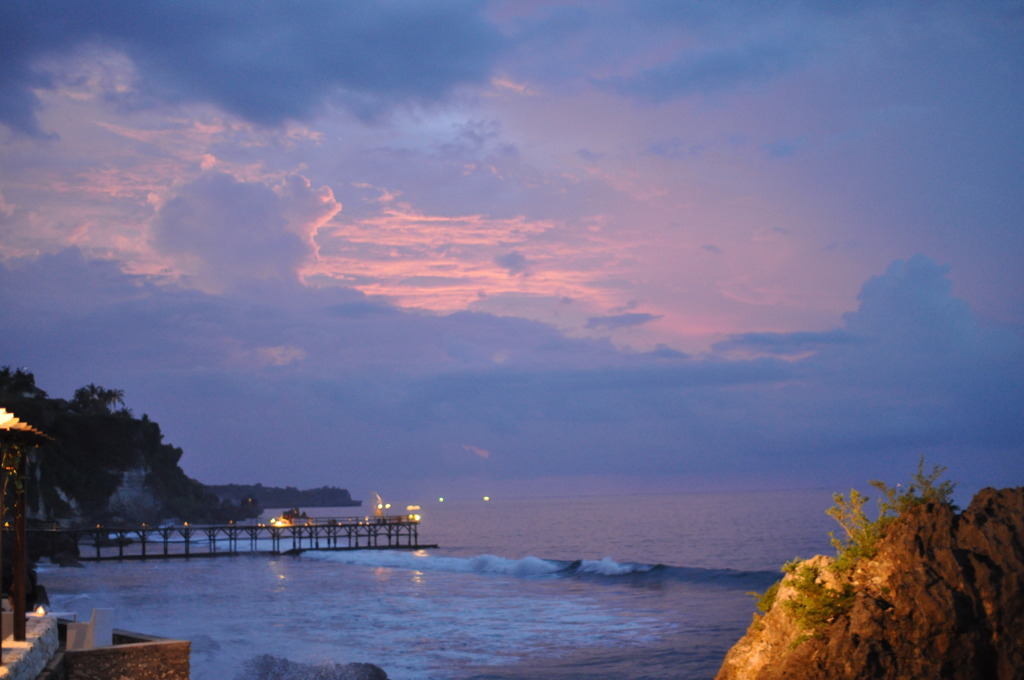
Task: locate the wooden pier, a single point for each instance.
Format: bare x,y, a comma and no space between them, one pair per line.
185,540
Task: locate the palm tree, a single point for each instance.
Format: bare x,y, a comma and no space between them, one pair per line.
16,385
96,400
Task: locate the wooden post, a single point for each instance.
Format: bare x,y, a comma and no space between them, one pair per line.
3,515
19,558
15,439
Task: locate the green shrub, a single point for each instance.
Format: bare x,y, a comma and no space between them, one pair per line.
815,604
766,600
862,533
923,489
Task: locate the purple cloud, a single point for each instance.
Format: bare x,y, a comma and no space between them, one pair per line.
620,320
236,231
782,344
398,391
709,71
267,62
514,262
174,239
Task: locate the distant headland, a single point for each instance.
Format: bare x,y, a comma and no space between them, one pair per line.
284,497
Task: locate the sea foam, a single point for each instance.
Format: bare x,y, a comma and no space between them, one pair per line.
480,564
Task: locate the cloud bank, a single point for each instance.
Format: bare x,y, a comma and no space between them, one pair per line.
598,241
381,393
267,62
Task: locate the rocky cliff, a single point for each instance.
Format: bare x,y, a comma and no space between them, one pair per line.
941,598
102,464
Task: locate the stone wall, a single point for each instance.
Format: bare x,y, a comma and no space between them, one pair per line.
24,660
134,656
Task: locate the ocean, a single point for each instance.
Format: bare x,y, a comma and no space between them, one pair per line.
598,588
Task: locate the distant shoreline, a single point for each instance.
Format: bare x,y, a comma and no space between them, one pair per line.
284,497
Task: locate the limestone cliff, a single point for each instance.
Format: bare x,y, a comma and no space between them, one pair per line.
133,497
942,598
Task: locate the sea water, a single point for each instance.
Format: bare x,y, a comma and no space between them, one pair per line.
652,587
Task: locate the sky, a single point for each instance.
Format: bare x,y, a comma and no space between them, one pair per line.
525,248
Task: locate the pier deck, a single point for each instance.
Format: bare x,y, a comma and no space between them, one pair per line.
185,540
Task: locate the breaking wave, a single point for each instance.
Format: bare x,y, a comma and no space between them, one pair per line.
536,567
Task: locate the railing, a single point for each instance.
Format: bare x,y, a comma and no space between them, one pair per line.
342,521
185,540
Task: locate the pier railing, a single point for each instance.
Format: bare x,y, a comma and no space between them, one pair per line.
191,540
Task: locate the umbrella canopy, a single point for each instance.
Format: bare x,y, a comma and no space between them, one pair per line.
16,431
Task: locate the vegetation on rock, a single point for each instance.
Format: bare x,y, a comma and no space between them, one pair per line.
922,590
818,599
863,533
816,603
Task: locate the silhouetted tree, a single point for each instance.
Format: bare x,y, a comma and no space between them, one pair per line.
96,400
17,385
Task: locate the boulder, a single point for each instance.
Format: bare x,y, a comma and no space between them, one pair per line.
269,667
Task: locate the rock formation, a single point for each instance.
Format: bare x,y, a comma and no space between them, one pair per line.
942,598
268,667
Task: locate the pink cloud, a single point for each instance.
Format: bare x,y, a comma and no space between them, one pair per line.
483,453
446,263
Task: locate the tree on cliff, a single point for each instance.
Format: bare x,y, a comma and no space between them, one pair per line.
17,385
96,400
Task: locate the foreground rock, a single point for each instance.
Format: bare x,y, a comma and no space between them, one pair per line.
942,598
268,667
